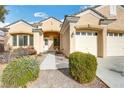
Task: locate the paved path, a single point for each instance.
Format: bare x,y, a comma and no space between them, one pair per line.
111,71
53,61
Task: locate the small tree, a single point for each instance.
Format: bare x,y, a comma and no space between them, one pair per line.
3,12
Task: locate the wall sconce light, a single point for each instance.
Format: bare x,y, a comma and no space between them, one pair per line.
72,35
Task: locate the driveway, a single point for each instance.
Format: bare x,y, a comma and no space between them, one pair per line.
111,71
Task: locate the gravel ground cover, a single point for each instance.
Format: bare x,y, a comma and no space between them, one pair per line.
61,79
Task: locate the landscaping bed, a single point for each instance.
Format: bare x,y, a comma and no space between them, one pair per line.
62,79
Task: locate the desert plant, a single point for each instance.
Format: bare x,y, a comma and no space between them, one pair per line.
19,72
82,66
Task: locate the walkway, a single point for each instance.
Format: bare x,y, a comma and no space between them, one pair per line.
53,61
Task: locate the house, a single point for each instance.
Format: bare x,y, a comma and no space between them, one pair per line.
2,39
98,30
43,36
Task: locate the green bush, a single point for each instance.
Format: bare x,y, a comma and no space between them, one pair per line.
82,66
19,72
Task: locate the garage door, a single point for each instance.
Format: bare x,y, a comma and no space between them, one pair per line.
115,44
86,42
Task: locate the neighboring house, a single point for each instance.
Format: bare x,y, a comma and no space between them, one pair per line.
43,36
98,30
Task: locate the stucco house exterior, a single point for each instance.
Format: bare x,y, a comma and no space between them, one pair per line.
43,36
98,30
2,39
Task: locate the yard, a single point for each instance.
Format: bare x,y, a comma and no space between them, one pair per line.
56,78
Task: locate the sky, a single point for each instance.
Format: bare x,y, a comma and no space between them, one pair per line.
36,13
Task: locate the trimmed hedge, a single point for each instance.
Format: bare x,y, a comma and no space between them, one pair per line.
82,66
19,72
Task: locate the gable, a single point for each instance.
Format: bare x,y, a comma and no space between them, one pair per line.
87,10
20,27
119,23
89,18
51,25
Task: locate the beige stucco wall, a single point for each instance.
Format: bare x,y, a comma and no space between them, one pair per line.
20,27
17,28
119,23
88,18
38,42
51,25
72,37
65,40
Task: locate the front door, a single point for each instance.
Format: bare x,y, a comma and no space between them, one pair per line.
46,44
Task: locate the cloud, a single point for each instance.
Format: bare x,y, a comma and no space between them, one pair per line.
41,14
3,24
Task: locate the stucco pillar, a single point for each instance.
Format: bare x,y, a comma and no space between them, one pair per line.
38,41
102,41
72,37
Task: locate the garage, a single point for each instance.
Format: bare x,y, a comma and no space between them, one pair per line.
86,42
115,44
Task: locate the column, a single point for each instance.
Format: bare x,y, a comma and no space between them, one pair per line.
72,37
38,41
101,42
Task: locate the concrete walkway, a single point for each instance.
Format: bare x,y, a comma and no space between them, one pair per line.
53,61
111,71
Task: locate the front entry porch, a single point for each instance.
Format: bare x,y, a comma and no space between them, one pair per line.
51,41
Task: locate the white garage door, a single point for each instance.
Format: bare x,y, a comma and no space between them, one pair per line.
115,44
86,42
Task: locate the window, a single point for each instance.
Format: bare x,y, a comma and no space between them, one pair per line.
23,41
110,34
56,42
115,34
14,40
120,34
77,33
94,34
31,40
83,33
46,41
89,33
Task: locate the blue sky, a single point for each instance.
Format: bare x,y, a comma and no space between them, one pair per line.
36,13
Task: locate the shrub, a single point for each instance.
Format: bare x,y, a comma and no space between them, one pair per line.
82,66
20,52
19,72
30,51
5,57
